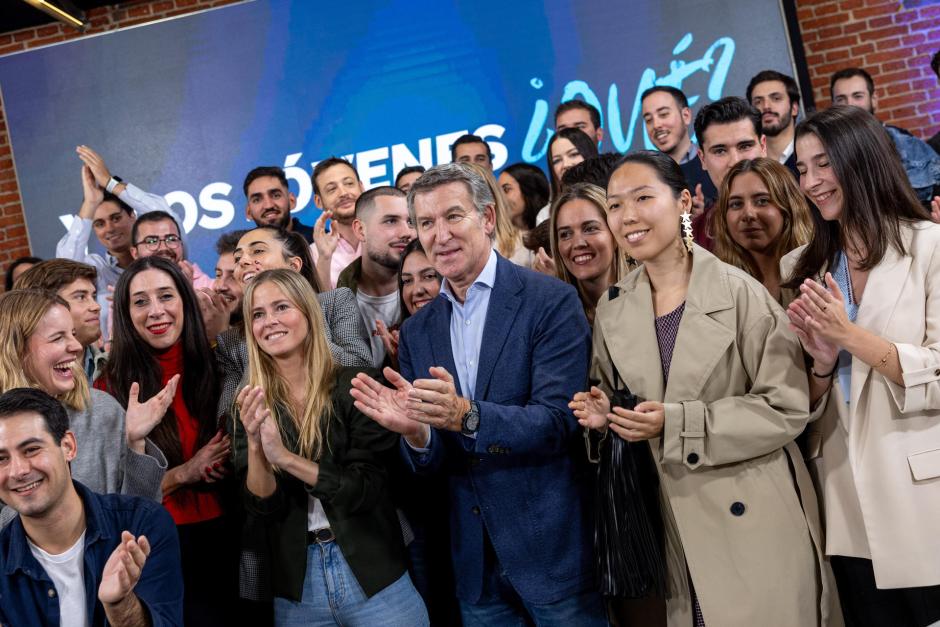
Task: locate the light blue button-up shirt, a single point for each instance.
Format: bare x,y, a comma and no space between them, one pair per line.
466,325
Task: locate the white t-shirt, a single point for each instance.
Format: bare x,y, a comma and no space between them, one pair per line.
385,308
67,571
316,517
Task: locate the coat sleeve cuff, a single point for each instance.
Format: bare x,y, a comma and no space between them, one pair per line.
921,379
684,434
143,473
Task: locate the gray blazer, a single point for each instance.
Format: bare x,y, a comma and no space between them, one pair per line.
345,333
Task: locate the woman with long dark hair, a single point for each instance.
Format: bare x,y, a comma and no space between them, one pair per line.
568,147
159,334
761,215
720,415
868,316
527,191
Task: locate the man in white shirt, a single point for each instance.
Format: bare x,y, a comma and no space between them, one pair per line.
336,187
73,557
777,97
383,229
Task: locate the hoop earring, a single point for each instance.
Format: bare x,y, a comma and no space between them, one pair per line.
687,235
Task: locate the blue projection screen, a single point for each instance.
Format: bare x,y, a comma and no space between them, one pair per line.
186,107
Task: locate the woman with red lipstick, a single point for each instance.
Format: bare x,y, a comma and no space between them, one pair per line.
158,335
582,241
38,348
761,215
868,314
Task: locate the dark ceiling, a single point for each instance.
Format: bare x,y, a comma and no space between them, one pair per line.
16,14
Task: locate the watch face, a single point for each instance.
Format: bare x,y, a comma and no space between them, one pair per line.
473,421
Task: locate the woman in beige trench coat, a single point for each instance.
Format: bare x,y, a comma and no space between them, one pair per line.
722,408
868,314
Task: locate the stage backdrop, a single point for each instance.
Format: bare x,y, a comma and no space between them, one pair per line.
186,107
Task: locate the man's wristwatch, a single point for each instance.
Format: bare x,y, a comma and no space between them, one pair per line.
112,183
471,420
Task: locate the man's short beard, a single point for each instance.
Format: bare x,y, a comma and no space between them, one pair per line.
282,223
385,259
773,131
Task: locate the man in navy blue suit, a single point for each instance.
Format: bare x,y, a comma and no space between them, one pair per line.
492,363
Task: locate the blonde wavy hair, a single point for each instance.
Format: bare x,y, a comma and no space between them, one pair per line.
20,314
507,237
312,420
784,194
598,197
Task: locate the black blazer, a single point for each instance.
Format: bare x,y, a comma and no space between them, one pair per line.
353,490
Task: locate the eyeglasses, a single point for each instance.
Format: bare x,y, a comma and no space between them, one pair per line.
153,242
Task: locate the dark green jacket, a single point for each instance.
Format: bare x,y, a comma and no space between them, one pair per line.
353,489
349,277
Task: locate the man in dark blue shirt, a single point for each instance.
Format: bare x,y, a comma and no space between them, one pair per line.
73,557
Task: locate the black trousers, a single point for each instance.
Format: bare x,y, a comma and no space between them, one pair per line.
864,605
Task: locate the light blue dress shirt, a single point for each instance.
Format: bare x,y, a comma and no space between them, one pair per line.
467,320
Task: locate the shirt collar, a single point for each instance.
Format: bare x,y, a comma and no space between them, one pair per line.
787,151
19,557
693,151
486,277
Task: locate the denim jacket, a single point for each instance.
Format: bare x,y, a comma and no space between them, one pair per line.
28,596
920,162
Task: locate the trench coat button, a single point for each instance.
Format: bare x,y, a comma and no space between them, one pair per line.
475,510
936,372
737,508
692,458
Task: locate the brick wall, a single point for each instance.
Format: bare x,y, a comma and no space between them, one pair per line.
893,42
13,241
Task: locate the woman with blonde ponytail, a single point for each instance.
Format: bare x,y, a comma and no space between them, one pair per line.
309,462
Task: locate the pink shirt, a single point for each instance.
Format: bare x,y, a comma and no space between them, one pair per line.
344,255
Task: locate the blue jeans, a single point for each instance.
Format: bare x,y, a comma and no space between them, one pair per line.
332,596
502,606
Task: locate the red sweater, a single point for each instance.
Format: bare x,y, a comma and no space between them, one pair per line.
185,505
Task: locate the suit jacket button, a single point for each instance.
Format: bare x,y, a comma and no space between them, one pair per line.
737,508
475,510
692,458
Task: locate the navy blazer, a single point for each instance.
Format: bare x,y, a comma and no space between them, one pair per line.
523,476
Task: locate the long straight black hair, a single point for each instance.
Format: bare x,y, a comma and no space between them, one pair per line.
876,194
132,359
583,143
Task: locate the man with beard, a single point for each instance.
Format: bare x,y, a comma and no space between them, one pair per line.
777,97
382,227
225,284
855,87
270,201
336,187
667,116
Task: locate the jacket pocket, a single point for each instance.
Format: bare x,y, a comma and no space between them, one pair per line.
925,465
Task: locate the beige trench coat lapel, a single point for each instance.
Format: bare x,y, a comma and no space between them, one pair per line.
699,345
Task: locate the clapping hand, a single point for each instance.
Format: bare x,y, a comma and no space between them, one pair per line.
818,317
141,418
643,422
591,408
388,406
389,340
324,240
122,570
208,464
215,312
